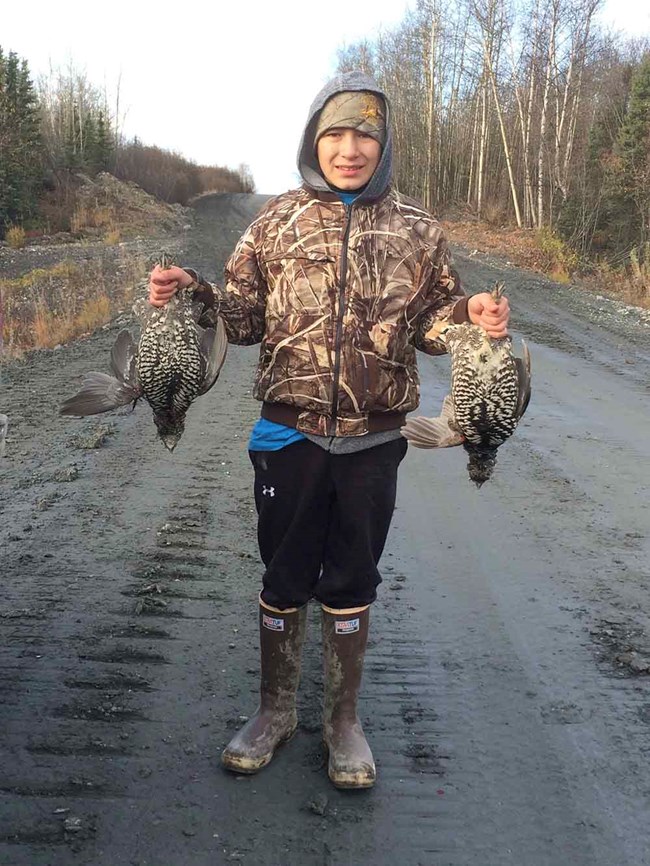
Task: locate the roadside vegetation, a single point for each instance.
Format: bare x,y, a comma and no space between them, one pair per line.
49,306
524,125
56,134
68,177
526,122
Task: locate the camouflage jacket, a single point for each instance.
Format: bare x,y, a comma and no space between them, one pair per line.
340,297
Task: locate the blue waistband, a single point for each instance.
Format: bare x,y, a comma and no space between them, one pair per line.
269,436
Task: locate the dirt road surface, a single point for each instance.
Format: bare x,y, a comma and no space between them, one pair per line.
507,686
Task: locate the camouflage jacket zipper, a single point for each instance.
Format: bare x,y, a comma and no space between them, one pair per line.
343,274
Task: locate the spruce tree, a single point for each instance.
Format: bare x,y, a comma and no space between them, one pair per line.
89,142
20,142
103,157
633,152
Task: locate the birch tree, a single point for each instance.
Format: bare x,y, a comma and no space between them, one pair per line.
492,22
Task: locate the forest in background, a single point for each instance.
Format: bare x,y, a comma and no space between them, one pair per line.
61,128
508,113
524,114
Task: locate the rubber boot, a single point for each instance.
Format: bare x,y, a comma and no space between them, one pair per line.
345,634
282,634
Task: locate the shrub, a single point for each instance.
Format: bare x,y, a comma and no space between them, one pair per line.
79,220
95,311
494,213
16,237
640,273
558,260
91,217
50,329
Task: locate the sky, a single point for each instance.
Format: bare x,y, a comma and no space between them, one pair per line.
222,83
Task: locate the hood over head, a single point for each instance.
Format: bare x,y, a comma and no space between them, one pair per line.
308,161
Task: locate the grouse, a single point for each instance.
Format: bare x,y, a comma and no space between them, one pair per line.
174,362
490,391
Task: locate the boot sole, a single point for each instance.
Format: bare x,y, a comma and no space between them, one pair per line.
348,781
234,765
351,783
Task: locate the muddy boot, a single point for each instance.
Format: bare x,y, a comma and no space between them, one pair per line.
345,634
282,634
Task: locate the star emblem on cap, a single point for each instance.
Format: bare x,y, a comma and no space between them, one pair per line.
370,109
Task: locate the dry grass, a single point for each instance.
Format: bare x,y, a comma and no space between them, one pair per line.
87,217
630,283
640,273
16,237
112,237
50,306
516,245
93,313
549,255
66,270
52,329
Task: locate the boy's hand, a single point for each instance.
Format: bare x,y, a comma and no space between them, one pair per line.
164,284
491,315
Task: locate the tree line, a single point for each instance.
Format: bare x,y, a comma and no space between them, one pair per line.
523,112
52,131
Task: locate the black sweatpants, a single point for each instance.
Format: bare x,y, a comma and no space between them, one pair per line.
323,521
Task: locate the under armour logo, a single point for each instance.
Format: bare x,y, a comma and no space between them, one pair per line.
268,491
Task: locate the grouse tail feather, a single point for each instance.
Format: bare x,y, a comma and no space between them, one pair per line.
99,393
440,432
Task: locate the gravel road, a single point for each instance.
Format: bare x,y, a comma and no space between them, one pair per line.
507,687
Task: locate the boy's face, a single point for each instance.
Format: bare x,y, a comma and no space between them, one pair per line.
347,157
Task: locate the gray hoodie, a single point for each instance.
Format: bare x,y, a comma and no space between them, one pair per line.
307,160
376,187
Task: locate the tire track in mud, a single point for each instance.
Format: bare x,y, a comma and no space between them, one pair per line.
555,553
97,699
82,693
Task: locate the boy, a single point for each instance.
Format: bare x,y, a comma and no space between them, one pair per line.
340,280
